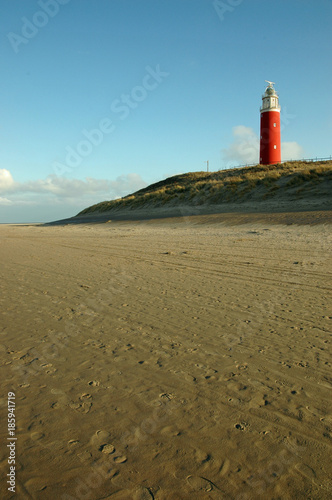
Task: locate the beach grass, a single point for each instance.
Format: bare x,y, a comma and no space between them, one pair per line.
260,182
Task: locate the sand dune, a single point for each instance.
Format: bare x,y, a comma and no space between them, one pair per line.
168,360
289,186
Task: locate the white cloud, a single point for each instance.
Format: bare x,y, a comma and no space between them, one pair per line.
58,197
125,184
245,148
291,151
5,201
62,187
6,180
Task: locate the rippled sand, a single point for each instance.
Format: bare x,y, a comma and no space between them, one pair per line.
178,359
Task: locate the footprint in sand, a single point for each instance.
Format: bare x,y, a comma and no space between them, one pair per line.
172,430
257,401
210,374
99,439
107,449
36,436
201,457
62,401
189,378
244,366
306,471
85,396
224,467
83,405
85,456
167,396
143,494
242,426
35,485
73,442
94,383
198,483
302,364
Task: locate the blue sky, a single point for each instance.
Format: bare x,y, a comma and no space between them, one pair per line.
101,97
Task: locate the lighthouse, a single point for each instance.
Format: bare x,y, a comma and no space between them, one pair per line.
270,143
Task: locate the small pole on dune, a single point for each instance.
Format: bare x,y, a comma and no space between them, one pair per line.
207,165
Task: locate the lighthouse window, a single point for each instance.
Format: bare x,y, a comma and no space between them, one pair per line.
275,147
274,124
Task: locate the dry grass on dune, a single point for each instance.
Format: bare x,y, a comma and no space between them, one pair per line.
260,182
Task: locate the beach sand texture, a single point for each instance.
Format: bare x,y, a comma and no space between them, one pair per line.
166,360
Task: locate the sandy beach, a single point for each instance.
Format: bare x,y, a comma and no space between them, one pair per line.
176,359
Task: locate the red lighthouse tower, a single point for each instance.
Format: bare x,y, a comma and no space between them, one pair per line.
270,150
